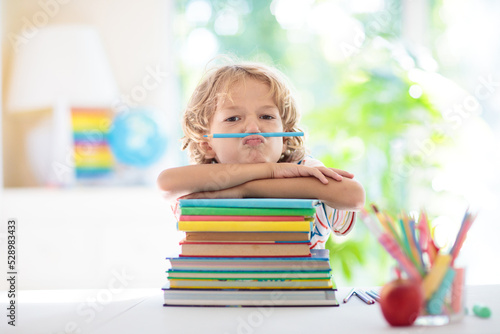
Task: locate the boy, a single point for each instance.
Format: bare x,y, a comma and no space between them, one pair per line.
253,98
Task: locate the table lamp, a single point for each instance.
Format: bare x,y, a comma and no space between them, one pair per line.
61,67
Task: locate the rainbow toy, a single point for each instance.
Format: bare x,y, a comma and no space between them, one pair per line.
92,153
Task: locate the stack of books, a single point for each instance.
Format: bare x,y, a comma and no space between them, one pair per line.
248,252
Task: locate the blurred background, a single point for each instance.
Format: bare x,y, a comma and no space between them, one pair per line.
404,94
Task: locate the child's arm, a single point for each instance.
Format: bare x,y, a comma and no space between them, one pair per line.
181,181
346,195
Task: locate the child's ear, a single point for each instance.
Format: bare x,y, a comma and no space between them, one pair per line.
207,150
285,145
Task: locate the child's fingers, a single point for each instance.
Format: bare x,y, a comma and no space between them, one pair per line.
343,173
322,173
334,175
330,173
292,170
319,175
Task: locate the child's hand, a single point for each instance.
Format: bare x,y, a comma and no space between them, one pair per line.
342,173
284,170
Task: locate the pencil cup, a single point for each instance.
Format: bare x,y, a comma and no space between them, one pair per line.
447,304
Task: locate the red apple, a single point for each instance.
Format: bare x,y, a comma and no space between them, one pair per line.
401,301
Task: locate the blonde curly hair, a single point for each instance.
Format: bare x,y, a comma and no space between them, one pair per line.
216,84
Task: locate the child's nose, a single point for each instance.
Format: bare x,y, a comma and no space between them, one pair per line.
252,125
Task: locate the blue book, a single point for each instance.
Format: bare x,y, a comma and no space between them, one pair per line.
279,203
316,255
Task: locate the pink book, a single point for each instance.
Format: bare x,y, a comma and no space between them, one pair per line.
240,218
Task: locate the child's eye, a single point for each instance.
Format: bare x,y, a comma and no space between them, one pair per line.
232,119
267,117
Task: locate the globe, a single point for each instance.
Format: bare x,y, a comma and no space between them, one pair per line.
136,138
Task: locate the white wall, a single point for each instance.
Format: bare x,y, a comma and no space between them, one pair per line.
83,238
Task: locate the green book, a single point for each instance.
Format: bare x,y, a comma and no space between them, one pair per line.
278,203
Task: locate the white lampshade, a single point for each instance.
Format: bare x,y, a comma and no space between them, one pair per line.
61,67
61,62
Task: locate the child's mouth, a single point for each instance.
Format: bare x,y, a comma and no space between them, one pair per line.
254,140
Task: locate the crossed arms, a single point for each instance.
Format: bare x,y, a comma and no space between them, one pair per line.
334,187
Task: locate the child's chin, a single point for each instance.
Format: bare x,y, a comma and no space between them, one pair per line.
254,158
257,160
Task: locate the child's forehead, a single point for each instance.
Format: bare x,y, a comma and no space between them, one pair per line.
239,82
241,86
253,90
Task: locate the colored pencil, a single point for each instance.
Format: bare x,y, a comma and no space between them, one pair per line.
462,234
391,246
263,134
407,247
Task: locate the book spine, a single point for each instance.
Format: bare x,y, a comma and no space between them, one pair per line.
276,203
246,211
246,226
238,218
190,249
246,236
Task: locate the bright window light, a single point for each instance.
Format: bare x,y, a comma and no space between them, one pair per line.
227,23
198,12
201,46
415,91
291,14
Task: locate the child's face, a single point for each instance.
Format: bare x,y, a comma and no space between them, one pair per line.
250,108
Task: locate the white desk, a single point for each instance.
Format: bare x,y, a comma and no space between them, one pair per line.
141,311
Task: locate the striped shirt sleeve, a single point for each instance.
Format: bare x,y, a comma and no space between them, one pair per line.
328,219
